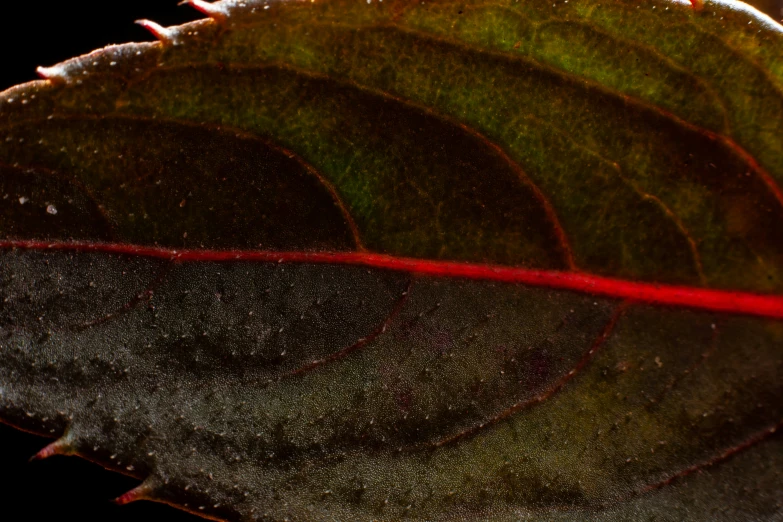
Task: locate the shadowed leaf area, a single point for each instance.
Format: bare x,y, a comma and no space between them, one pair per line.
362,260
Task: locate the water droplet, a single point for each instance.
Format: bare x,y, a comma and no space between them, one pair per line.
23,200
51,209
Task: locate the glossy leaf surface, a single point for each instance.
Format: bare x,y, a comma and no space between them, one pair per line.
437,261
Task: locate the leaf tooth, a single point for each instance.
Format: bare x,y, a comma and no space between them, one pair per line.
144,491
216,11
166,35
62,446
55,74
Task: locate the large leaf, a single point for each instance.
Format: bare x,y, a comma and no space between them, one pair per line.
435,260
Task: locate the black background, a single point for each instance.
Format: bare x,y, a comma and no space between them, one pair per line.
45,32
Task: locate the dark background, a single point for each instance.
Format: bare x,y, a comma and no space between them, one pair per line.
44,33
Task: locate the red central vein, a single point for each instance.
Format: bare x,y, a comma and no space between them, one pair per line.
728,301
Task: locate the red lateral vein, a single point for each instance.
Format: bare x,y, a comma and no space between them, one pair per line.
78,185
675,381
145,295
547,394
728,301
225,129
766,178
546,205
381,329
717,459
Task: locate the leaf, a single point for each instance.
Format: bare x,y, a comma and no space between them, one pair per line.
437,261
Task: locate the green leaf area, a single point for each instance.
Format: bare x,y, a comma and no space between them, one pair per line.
364,260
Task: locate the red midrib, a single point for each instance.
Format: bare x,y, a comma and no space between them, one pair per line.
734,302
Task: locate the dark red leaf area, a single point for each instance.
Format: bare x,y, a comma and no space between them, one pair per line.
230,188
28,192
741,192
438,187
281,356
265,324
247,321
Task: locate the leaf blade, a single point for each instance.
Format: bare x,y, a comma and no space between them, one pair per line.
522,248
